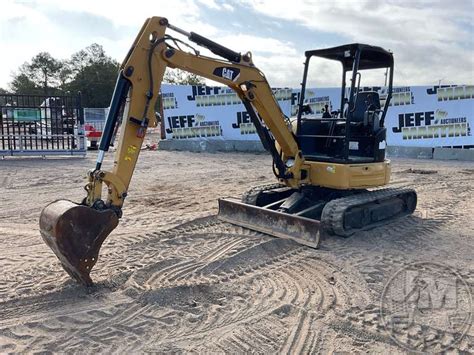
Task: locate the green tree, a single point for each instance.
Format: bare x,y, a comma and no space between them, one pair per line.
93,73
65,75
44,71
90,71
181,77
41,75
93,54
22,84
96,83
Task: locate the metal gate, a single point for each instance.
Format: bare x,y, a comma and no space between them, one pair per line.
41,125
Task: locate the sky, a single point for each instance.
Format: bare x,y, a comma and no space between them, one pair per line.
432,41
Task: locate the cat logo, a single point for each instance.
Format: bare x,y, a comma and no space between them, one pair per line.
227,73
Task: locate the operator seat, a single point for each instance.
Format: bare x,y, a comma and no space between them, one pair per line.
366,110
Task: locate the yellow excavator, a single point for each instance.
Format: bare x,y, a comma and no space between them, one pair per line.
327,167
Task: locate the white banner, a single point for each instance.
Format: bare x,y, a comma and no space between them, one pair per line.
422,116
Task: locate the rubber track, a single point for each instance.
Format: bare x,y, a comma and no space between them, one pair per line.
332,218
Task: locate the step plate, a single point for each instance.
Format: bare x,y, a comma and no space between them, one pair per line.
302,230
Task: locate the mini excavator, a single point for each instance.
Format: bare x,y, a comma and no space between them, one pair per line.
327,169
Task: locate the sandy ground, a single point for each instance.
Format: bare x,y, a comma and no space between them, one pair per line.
173,278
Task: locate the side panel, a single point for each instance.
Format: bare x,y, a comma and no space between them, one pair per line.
347,176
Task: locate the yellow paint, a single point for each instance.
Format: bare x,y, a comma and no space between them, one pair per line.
131,149
349,176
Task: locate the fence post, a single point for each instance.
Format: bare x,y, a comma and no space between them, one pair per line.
81,139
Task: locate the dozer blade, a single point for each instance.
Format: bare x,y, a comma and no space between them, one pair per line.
282,225
75,233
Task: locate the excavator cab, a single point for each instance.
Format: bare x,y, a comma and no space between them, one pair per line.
354,132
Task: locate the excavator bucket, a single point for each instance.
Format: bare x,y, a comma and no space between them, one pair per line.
302,230
75,233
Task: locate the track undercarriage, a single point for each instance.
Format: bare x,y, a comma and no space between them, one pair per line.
305,214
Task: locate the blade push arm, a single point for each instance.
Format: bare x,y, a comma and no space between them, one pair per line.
138,85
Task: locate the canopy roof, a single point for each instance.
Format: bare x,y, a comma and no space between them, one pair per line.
371,57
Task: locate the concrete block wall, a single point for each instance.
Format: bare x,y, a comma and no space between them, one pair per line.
453,154
409,152
213,146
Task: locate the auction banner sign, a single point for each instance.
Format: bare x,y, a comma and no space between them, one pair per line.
421,116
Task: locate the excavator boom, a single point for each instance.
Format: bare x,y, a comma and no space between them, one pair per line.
75,232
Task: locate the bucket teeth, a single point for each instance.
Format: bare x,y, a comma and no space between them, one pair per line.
75,234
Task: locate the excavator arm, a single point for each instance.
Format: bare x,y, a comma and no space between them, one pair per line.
75,232
139,83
